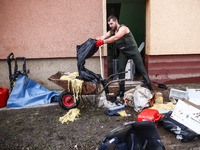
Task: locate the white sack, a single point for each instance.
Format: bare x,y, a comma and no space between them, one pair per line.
138,98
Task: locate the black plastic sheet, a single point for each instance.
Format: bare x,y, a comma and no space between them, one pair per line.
141,135
182,133
85,51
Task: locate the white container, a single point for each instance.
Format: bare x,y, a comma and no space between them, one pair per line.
178,94
194,96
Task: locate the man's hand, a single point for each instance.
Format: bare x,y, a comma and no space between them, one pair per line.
99,43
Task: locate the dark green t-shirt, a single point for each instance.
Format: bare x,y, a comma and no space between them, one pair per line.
127,42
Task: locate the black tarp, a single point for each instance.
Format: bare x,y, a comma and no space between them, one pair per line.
183,133
141,135
85,51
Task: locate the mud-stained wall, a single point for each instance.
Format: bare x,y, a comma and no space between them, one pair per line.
48,28
172,27
41,70
46,33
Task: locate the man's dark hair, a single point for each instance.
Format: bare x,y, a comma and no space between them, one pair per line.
112,17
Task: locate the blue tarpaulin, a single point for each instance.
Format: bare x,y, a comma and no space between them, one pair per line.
27,92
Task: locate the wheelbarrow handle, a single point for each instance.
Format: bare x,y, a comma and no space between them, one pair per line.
120,80
116,74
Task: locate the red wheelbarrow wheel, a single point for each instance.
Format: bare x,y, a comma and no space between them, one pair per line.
67,101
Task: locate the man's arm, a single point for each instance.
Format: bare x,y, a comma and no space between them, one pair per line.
122,31
105,36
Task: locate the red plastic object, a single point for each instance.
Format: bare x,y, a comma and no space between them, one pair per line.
3,96
150,115
67,102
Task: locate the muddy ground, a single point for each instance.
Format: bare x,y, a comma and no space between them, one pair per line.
40,128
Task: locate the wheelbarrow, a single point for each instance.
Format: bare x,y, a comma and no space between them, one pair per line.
67,99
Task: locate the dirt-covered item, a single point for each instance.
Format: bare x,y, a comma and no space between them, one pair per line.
13,76
138,98
70,98
70,116
133,136
150,115
39,127
104,103
182,133
85,51
67,100
27,92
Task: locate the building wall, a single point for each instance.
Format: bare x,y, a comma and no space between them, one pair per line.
42,69
172,27
172,41
47,33
48,28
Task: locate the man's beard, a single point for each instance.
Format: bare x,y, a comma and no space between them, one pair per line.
115,28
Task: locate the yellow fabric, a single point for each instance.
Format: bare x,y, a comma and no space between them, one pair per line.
75,83
71,115
168,106
71,76
122,113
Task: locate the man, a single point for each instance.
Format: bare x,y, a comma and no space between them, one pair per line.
126,44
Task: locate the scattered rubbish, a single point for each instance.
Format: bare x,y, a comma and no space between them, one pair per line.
112,112
70,116
138,98
85,51
128,97
123,113
117,107
177,94
159,85
76,84
118,111
27,92
136,135
163,108
158,97
150,115
24,91
173,101
110,144
104,103
66,98
91,81
183,133
69,76
194,96
141,98
13,76
128,115
4,94
185,113
111,94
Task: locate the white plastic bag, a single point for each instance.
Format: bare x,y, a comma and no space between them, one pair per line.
141,98
138,98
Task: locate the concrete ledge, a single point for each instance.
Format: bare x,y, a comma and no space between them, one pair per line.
28,107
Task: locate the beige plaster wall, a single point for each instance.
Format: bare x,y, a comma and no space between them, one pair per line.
172,27
42,69
48,28
47,32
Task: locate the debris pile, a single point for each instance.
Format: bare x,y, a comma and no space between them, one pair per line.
76,84
70,116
